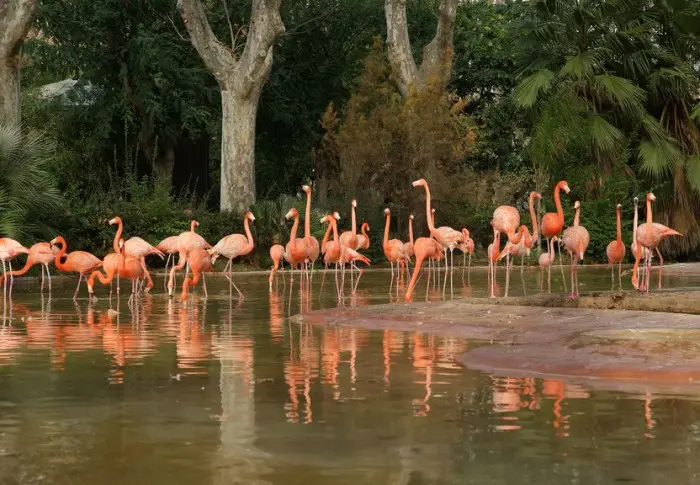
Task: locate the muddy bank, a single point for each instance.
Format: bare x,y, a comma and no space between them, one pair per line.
639,348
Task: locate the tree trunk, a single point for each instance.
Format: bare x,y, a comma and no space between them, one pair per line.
164,165
9,91
238,150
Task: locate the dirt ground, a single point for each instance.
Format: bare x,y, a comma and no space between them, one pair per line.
604,339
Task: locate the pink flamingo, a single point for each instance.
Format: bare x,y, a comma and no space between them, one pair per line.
525,245
575,239
615,251
168,246
201,261
312,246
339,254
408,246
637,249
467,247
506,220
40,253
9,249
446,236
649,235
80,262
295,251
138,248
553,222
349,238
276,254
363,237
393,248
546,260
233,246
186,242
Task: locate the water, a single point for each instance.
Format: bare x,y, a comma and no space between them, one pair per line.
228,392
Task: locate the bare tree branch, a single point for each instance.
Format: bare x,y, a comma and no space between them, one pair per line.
217,57
265,26
230,27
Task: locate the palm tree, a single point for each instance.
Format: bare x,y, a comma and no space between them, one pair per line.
28,195
612,76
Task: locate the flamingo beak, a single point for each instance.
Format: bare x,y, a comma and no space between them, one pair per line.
323,220
53,241
566,188
289,215
354,203
652,197
252,217
112,221
416,183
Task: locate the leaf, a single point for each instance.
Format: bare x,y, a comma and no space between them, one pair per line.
621,91
692,170
658,159
528,90
606,137
581,65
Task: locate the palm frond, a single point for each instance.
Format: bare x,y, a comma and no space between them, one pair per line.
620,91
658,158
692,169
526,93
605,137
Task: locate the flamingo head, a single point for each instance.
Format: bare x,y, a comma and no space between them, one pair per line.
121,242
619,206
115,220
564,186
292,213
195,223
365,226
411,217
651,196
577,204
306,189
325,219
336,216
419,183
636,200
354,203
249,215
465,234
535,195
387,211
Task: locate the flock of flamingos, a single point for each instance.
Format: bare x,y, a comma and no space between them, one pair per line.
198,257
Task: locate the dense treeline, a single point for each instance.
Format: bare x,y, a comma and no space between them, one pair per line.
602,93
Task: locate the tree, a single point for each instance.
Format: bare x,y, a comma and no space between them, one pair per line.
241,80
437,55
15,19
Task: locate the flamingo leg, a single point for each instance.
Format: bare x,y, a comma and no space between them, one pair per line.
49,275
75,295
541,278
612,276
42,279
204,285
452,270
619,273
507,272
165,279
661,264
561,267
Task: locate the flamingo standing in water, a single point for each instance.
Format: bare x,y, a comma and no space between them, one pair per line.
110,265
339,254
40,253
575,239
553,222
130,268
393,248
546,260
135,247
186,242
9,248
615,252
505,220
233,246
276,254
312,246
467,247
526,243
295,251
363,237
80,262
349,238
446,236
201,261
637,249
649,235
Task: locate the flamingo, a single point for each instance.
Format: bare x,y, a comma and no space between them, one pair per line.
393,248
276,254
467,247
80,262
506,219
546,260
186,242
349,238
523,248
312,246
363,237
169,247
615,251
408,246
339,254
446,236
649,235
110,265
40,253
233,246
295,250
575,239
423,247
202,261
9,248
637,250
131,268
136,247
553,222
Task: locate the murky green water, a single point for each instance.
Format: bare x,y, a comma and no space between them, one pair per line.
230,392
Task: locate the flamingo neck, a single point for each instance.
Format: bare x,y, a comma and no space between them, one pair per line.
386,229
336,239
248,234
649,221
410,230
192,226
117,235
353,229
619,226
428,213
326,236
293,234
64,247
533,217
307,217
557,202
636,222
364,231
577,216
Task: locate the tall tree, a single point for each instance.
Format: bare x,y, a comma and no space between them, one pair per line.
15,19
437,55
241,79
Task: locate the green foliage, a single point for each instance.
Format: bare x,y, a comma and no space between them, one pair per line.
29,199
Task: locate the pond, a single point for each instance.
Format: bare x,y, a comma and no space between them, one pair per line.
222,391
